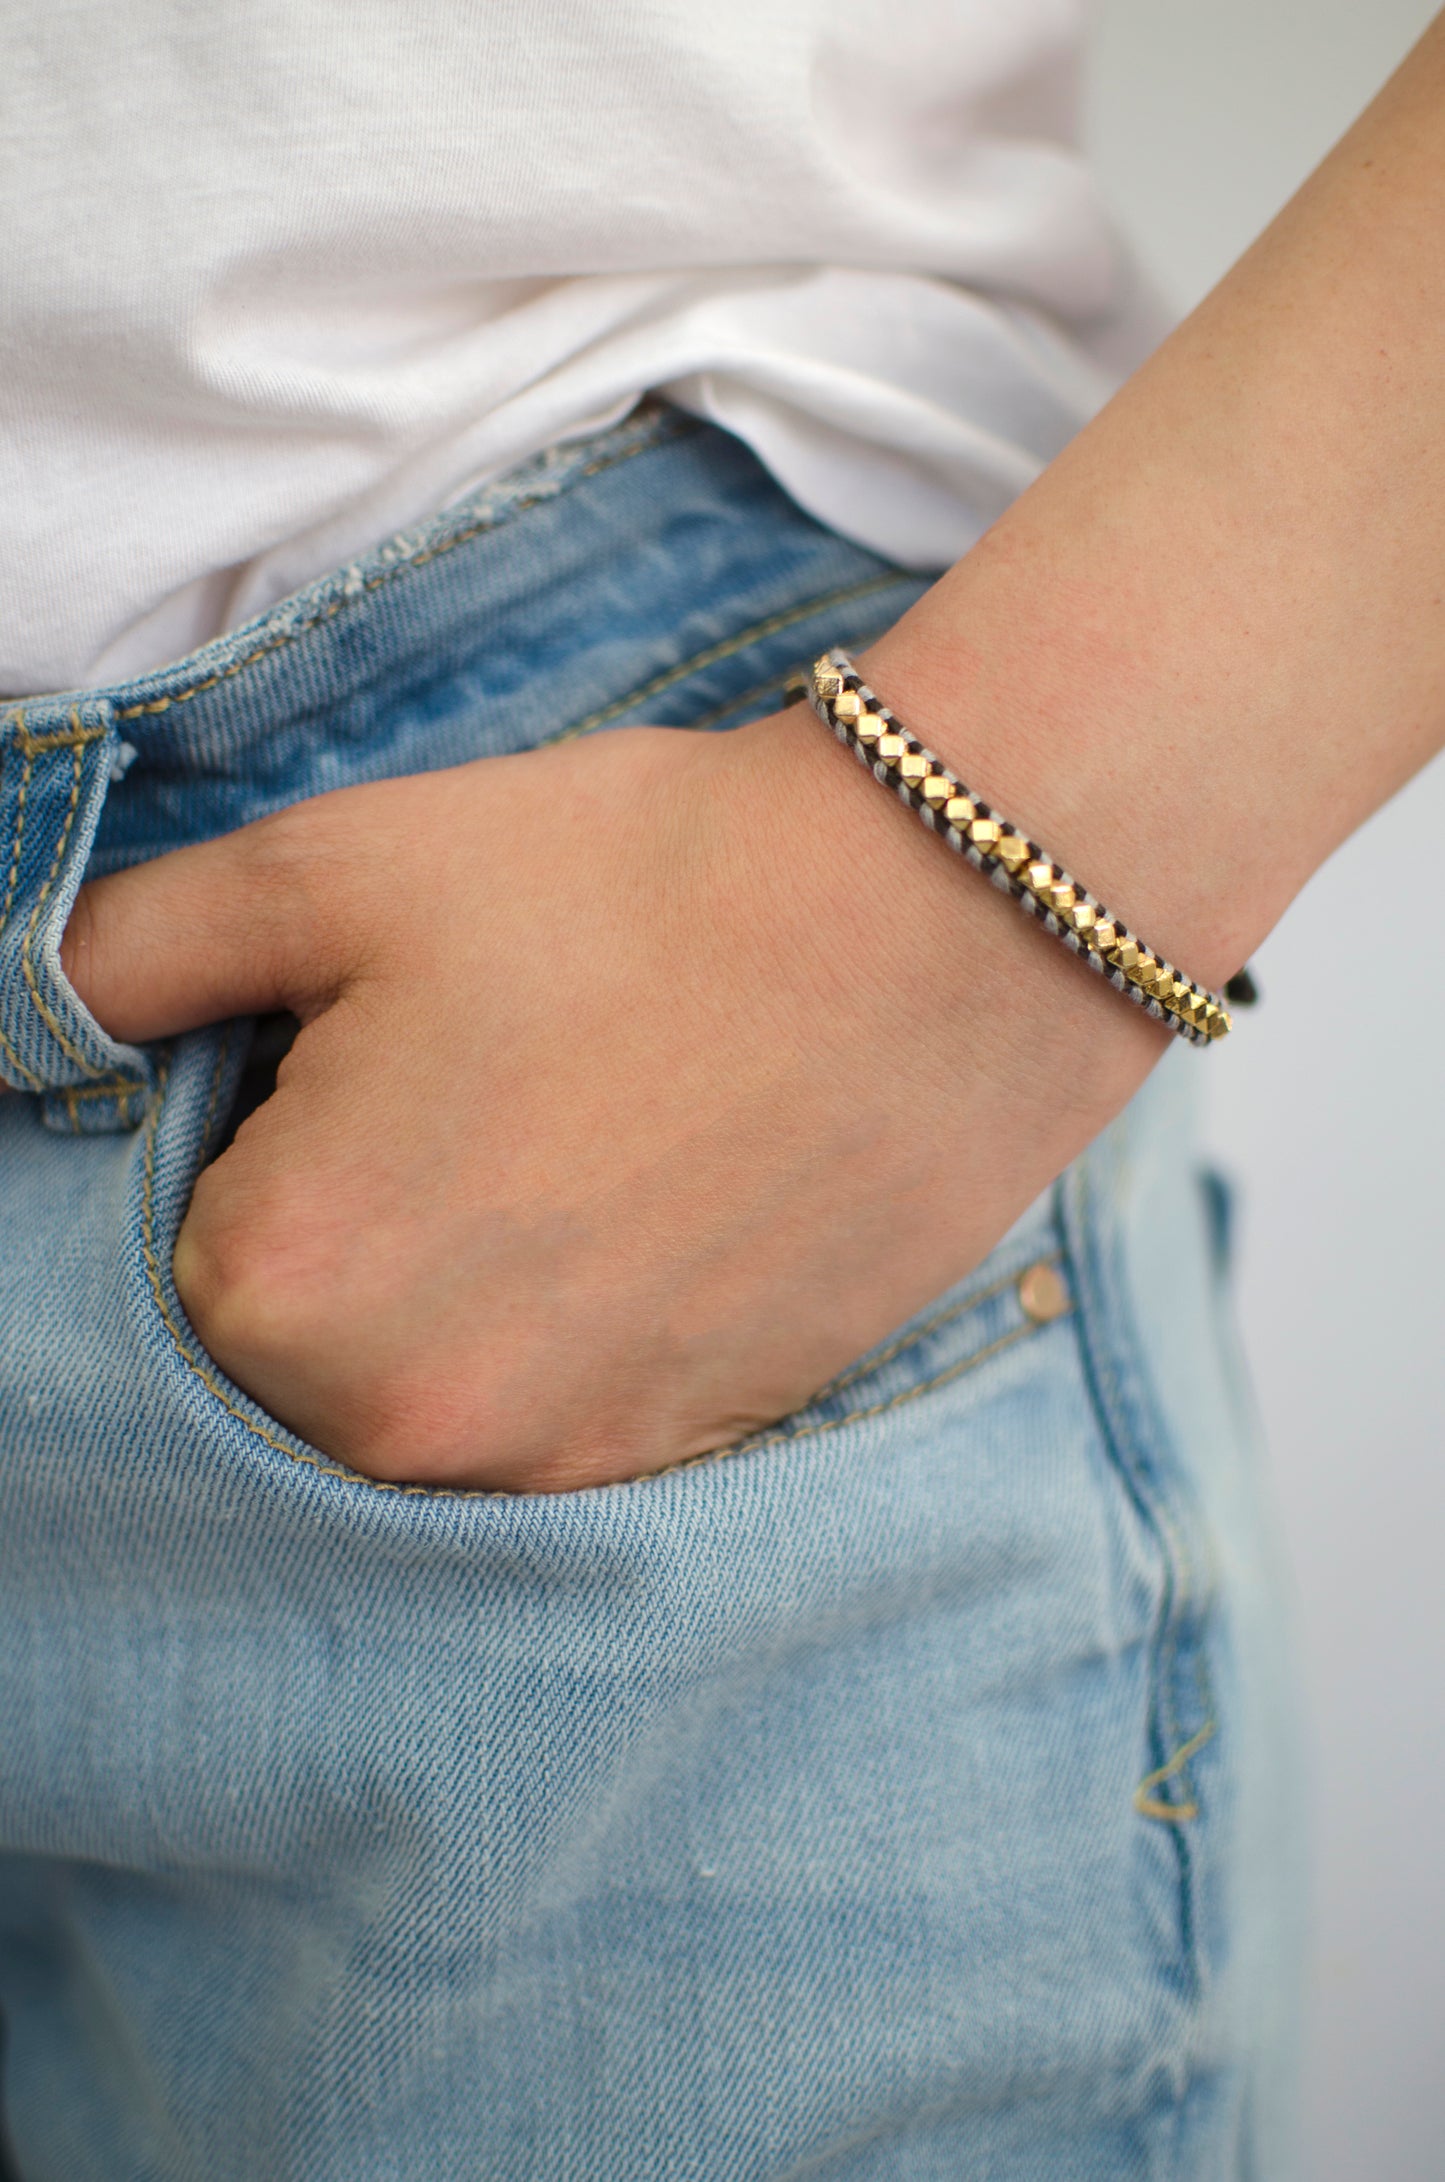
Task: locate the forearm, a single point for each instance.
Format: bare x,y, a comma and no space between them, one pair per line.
1211,638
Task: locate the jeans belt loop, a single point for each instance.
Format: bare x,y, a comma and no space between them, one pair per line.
57,759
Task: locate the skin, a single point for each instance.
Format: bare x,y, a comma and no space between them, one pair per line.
722,1083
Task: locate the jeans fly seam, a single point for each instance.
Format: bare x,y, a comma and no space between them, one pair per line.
523,505
713,653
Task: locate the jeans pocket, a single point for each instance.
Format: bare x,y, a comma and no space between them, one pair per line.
1018,1290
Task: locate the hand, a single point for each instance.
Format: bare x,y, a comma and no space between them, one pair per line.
643,1082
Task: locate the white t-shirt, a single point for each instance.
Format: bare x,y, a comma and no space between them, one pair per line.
278,277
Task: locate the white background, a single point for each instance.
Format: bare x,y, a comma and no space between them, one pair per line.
1204,116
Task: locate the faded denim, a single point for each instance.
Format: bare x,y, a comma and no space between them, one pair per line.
908,1793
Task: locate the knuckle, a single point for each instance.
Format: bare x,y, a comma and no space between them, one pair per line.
237,1282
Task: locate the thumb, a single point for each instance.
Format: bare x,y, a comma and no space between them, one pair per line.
227,927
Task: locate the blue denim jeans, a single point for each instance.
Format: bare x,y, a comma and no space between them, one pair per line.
908,1792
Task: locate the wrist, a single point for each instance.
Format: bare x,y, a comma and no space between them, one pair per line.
913,960
1096,768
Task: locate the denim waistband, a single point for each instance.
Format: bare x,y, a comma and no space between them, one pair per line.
653,572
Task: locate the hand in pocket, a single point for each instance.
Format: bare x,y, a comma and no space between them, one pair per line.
643,1082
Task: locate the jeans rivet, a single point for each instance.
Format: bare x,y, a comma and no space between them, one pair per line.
1042,1293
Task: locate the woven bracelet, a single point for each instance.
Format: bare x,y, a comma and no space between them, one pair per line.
1015,864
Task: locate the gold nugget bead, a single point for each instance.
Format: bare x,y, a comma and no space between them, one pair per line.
1012,851
827,681
868,727
1104,935
848,704
1082,916
1039,877
960,811
1125,956
984,833
913,765
937,790
891,748
1061,896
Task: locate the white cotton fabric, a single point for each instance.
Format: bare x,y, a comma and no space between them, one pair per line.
281,276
